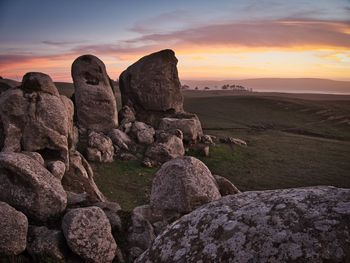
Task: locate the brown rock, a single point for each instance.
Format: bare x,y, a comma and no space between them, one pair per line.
100,148
225,186
144,133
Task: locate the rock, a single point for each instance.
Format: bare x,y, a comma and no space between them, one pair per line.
88,234
100,148
225,186
201,149
166,147
127,157
34,118
207,139
46,243
6,84
13,230
183,184
235,141
57,168
290,225
73,136
95,103
144,133
111,210
36,156
75,200
151,87
191,127
126,114
120,139
26,185
80,178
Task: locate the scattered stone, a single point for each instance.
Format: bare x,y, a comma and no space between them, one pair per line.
151,87
225,186
26,185
235,141
120,139
127,157
88,234
100,148
94,98
57,168
144,133
13,230
183,184
207,139
290,225
46,243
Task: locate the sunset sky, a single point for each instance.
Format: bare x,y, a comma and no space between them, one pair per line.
216,40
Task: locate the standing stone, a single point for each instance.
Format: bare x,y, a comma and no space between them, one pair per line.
13,230
94,99
88,234
151,87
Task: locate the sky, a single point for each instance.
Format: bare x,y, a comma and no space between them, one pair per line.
216,40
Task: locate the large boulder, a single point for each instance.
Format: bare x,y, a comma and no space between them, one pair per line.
100,148
183,184
13,230
190,126
88,234
291,225
94,99
26,185
151,87
80,178
34,118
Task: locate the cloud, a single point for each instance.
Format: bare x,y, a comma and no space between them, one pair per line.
60,43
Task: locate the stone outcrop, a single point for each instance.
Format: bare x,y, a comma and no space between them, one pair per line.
183,184
291,225
26,185
88,234
100,148
34,118
94,99
151,87
13,230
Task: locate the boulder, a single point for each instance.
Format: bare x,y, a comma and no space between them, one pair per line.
143,133
94,99
13,230
73,136
57,168
167,146
183,184
225,186
34,118
46,243
100,148
151,86
36,156
88,234
290,225
120,139
80,178
6,84
190,127
126,114
111,210
26,185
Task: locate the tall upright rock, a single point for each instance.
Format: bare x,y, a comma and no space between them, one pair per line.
151,86
94,99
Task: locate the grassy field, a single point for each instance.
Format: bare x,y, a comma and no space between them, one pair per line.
293,140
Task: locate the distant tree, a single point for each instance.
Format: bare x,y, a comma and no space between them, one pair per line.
196,88
225,86
206,88
184,87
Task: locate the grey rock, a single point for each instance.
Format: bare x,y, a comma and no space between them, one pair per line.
26,185
144,133
290,225
13,230
225,186
111,210
183,184
151,86
140,233
94,98
100,148
88,234
57,168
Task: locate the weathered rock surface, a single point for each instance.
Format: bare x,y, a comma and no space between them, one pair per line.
34,118
26,185
88,234
111,210
46,243
191,127
80,178
183,184
13,230
73,135
291,225
120,139
225,186
94,98
57,168
100,148
126,114
144,133
151,87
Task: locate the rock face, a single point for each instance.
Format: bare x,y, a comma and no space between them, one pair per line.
191,127
183,184
94,98
88,234
34,118
100,148
13,230
26,185
291,225
151,87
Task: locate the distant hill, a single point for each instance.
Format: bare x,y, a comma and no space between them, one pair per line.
293,85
